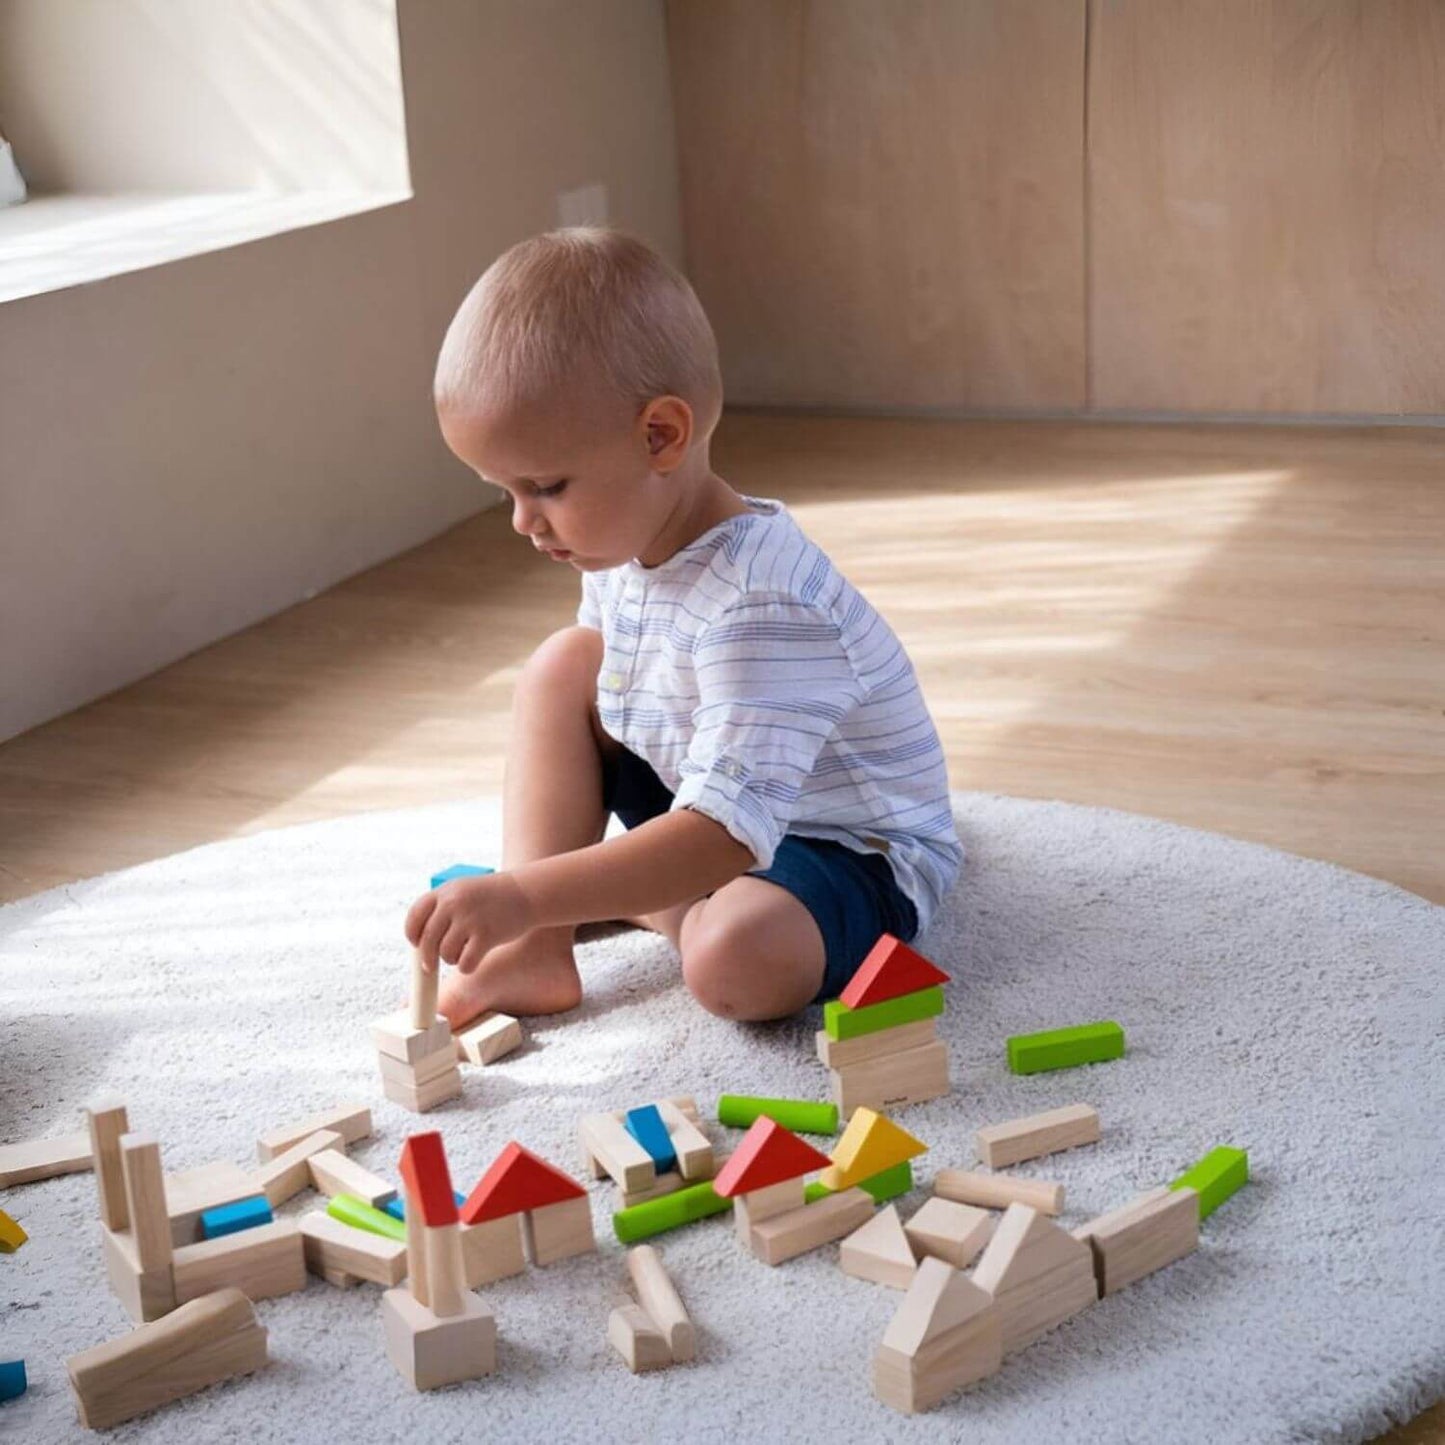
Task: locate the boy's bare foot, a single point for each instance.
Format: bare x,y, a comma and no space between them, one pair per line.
535,974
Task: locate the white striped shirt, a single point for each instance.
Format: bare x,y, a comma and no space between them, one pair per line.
767,694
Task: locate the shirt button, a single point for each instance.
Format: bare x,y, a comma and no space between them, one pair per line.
614,681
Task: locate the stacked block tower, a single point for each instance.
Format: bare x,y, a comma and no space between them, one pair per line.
880,1036
415,1049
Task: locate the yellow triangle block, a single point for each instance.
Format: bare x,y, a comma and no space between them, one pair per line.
870,1144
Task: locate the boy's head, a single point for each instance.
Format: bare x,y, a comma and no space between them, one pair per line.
581,374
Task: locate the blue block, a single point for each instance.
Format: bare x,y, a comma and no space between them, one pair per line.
646,1126
459,870
232,1218
12,1379
397,1207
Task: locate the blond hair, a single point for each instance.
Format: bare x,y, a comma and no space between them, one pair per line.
573,310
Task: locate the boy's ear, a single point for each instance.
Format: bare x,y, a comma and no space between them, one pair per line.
667,427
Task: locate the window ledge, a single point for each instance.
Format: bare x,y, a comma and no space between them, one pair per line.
50,242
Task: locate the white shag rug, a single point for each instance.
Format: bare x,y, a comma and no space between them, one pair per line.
1272,1003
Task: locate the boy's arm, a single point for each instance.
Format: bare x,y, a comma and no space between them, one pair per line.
671,859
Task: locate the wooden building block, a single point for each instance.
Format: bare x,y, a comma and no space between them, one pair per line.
842,1022
1065,1048
12,1236
889,1081
1145,1235
488,1038
107,1121
646,1126
844,1053
287,1174
637,1339
424,985
946,1335
331,1245
802,1116
145,1294
890,970
516,1181
760,1204
145,1200
423,1098
604,1139
426,1070
262,1263
248,1213
998,1191
768,1154
44,1159
430,1351
1000,1145
786,1235
13,1383
667,1183
660,1300
870,1144
361,1215
694,1151
190,1193
559,1230
1215,1178
1038,1275
199,1344
351,1121
492,1250
334,1173
656,1216
954,1233
397,1038
879,1251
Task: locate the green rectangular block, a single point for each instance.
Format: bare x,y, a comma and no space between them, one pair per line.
1219,1174
1065,1048
842,1022
888,1184
802,1116
356,1212
655,1216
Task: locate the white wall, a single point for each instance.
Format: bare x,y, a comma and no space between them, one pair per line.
187,449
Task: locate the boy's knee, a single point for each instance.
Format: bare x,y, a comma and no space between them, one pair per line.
724,964
569,656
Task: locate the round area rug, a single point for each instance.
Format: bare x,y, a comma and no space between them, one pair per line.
1279,1005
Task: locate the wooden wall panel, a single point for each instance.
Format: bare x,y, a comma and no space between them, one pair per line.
883,199
1267,205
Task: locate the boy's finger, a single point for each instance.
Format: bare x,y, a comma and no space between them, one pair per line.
471,956
431,937
417,915
454,940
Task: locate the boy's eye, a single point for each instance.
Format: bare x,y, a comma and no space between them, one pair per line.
554,490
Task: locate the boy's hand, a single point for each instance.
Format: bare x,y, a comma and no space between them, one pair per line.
462,921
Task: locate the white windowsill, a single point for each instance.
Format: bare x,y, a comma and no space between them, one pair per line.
51,242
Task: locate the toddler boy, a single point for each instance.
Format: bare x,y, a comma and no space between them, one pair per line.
751,720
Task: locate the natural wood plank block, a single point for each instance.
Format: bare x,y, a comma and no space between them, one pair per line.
843,1053
331,1245
145,1200
1000,1145
783,1236
145,1294
1143,1236
492,1250
44,1159
334,1173
107,1121
604,1139
889,1081
422,1098
486,1039
288,1173
417,1075
262,1263
191,1192
351,1121
1038,1275
557,1231
637,1339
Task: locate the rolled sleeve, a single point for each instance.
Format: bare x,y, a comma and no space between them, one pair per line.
774,683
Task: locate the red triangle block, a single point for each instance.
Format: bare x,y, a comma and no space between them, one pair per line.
427,1180
890,970
769,1154
517,1181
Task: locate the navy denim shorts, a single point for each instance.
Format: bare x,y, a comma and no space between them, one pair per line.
852,896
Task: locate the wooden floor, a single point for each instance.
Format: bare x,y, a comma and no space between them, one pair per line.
1236,628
